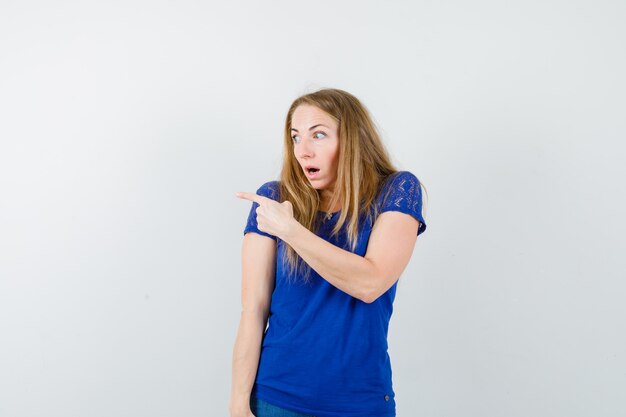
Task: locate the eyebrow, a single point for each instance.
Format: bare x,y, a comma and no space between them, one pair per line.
313,127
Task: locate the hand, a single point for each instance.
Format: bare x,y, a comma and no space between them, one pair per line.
240,409
241,413
271,216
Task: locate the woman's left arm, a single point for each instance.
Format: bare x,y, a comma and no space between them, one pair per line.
389,250
366,277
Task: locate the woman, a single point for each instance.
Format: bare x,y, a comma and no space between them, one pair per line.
330,241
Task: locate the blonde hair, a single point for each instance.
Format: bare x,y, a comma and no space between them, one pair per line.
363,165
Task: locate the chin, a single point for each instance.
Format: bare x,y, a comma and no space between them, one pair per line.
316,184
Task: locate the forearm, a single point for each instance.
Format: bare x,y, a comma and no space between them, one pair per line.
246,354
351,273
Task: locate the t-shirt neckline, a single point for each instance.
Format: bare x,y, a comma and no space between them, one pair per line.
326,212
326,216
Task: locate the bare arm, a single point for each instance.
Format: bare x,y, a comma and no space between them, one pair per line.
258,260
389,248
366,277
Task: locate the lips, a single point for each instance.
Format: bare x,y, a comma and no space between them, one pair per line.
311,171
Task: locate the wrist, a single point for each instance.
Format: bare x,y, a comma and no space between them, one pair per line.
239,402
292,229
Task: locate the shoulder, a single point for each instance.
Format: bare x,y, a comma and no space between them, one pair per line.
400,181
404,176
402,192
270,189
400,189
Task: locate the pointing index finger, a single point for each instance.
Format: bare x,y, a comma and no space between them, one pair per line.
251,196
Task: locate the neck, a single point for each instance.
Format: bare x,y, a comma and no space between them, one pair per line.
327,209
325,197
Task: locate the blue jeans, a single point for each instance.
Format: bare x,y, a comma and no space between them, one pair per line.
262,408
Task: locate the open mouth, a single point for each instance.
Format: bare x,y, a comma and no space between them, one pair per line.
312,172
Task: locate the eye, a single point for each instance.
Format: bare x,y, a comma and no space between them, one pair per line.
315,135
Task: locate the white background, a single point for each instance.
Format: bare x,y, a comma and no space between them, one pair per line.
126,128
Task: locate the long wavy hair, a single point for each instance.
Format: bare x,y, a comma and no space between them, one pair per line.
364,164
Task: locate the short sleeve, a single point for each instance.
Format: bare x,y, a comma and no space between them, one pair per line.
403,192
270,190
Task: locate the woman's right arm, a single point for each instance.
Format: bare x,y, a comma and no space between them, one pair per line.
258,263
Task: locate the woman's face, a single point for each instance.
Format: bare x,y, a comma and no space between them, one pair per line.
315,143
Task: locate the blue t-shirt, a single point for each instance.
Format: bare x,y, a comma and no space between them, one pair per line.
324,352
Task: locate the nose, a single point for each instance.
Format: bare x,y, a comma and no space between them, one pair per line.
305,149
